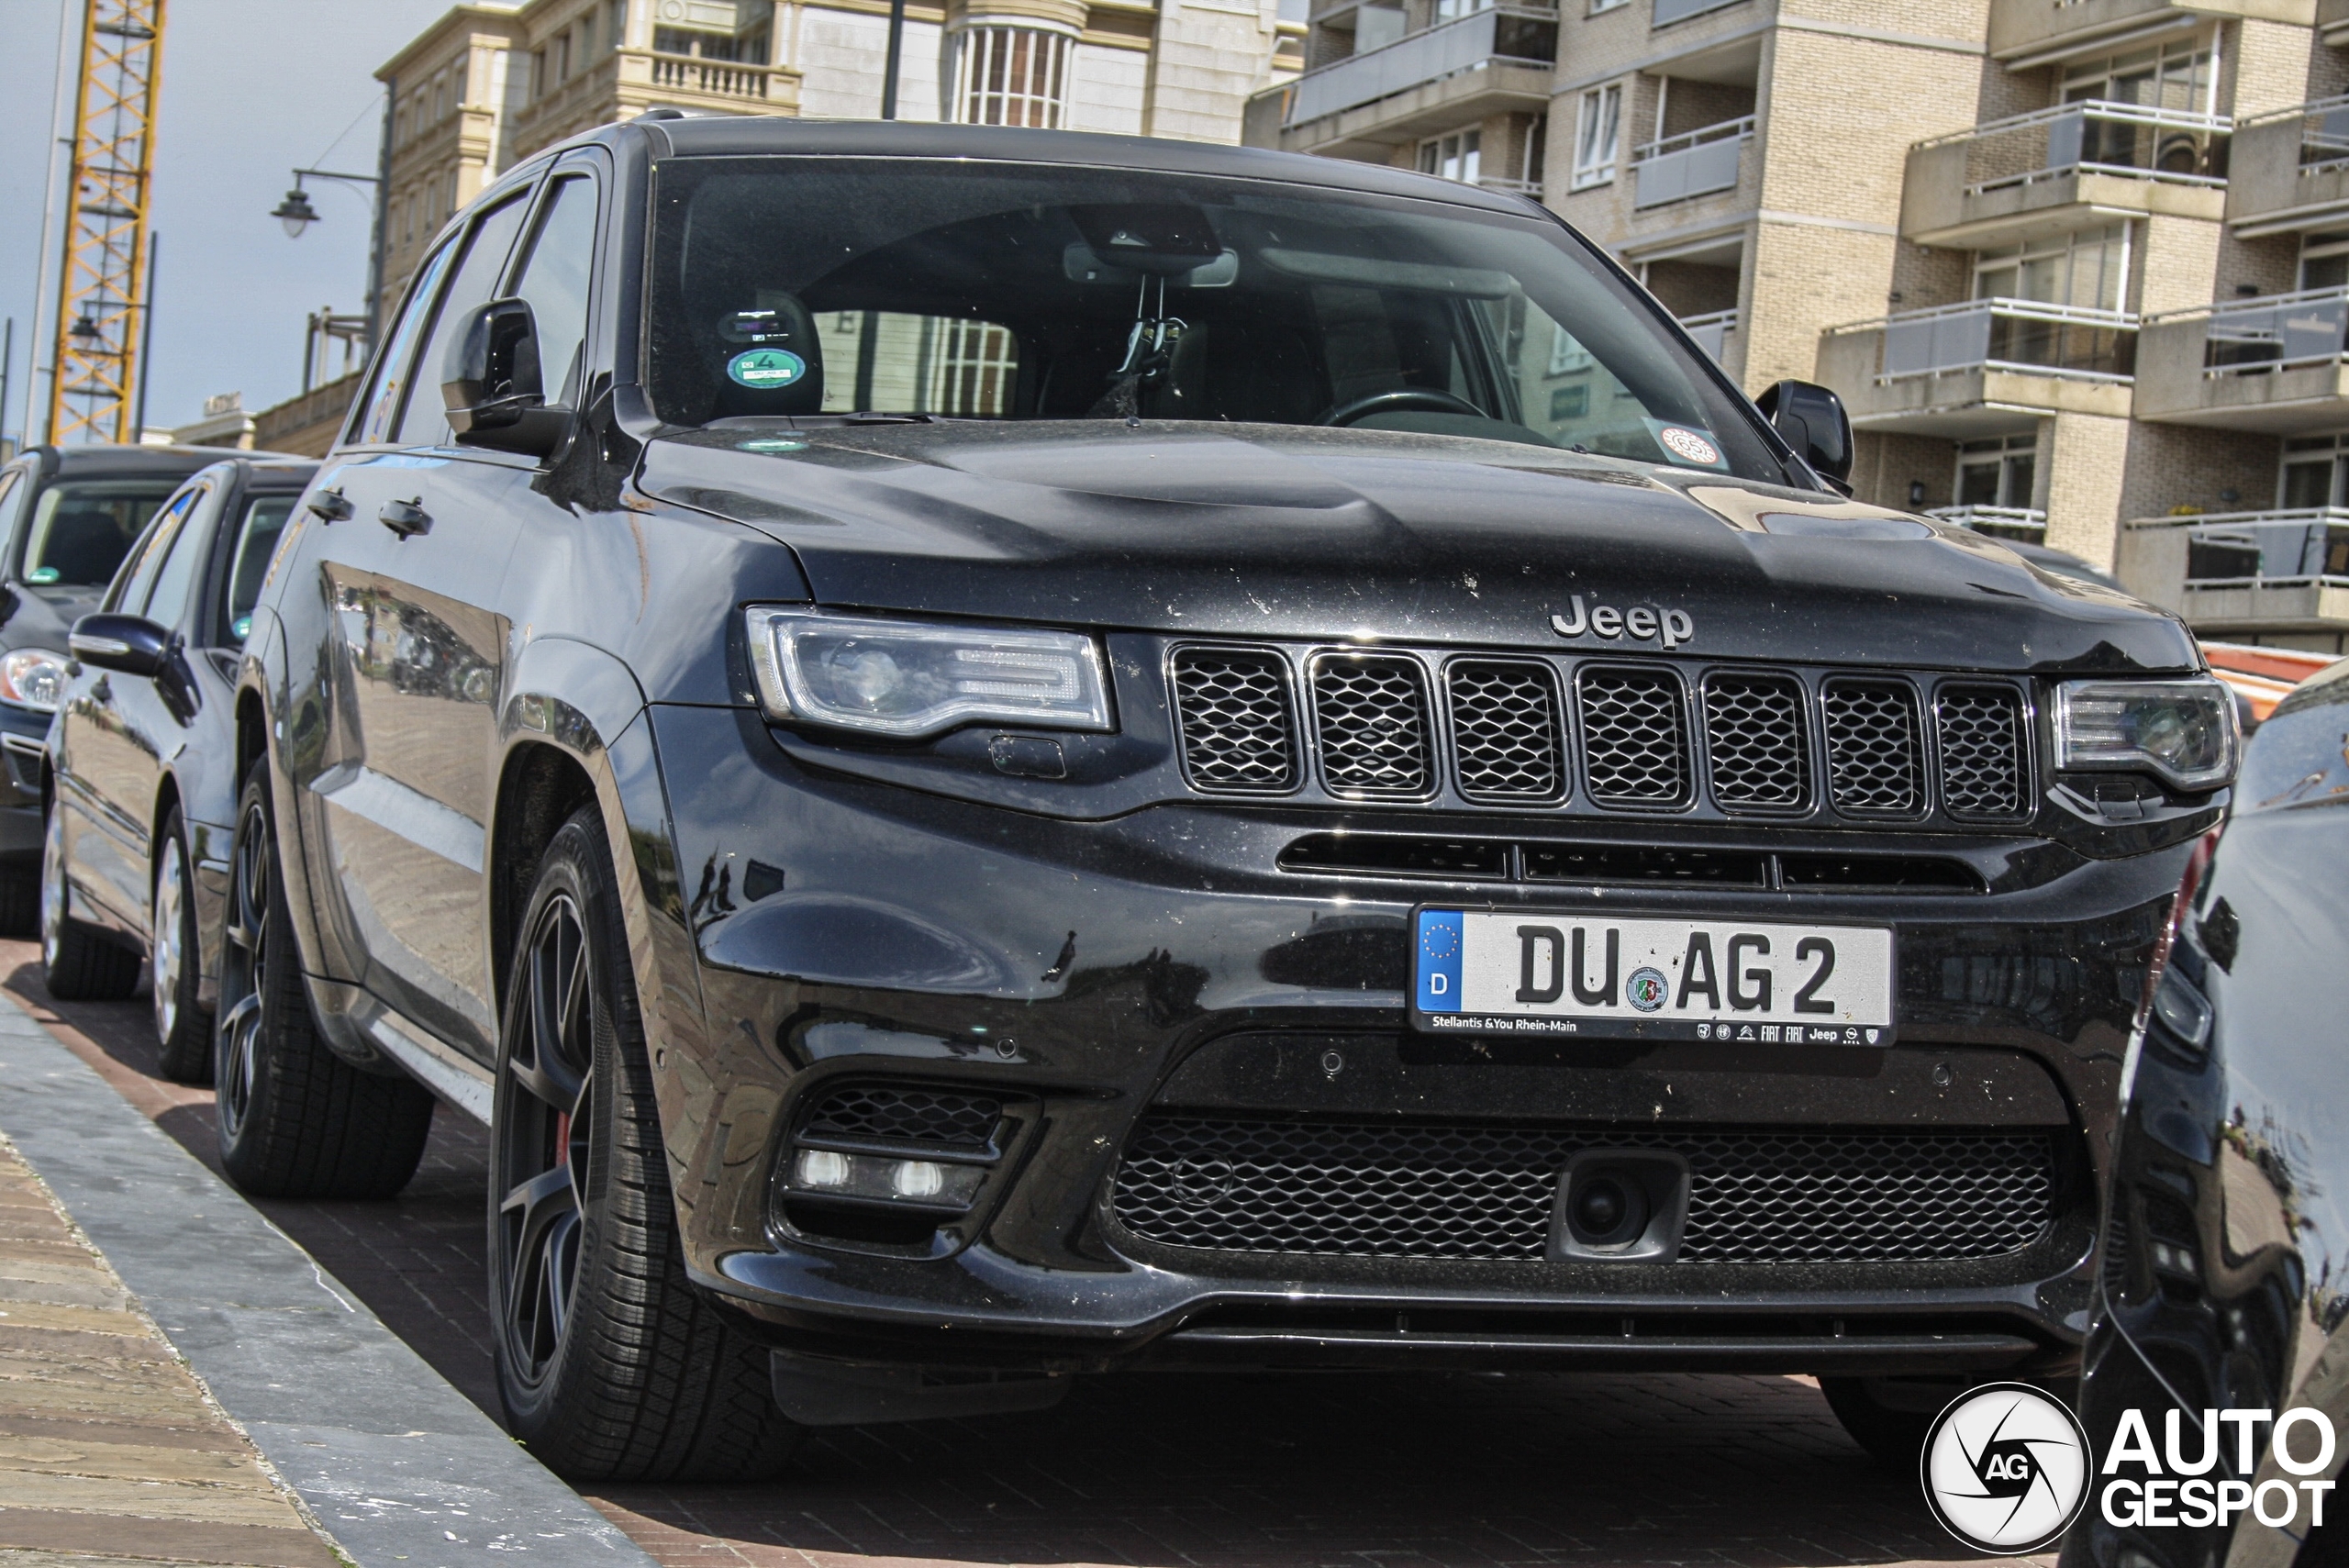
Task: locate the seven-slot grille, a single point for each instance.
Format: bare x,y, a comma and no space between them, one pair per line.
1761,740
1489,1190
1371,712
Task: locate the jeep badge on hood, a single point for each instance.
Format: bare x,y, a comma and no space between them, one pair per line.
1641,623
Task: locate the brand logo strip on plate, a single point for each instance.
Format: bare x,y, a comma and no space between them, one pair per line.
1603,977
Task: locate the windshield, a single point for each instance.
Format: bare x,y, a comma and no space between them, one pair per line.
791,286
83,527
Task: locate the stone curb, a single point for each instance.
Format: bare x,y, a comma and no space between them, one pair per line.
396,1463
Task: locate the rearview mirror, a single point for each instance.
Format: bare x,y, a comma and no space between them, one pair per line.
493,386
1812,420
130,645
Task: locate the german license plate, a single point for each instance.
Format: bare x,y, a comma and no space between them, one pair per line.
1604,977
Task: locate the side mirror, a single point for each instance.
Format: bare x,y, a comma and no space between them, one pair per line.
491,385
1812,420
131,645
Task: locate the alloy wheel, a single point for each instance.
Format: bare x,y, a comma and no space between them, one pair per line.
545,1140
52,885
244,970
165,955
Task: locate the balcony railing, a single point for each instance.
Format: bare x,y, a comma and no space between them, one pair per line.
2270,333
2093,137
2253,549
714,78
1516,34
1694,165
2009,334
2004,522
1711,330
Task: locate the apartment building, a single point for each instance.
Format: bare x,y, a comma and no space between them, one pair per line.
494,81
2079,267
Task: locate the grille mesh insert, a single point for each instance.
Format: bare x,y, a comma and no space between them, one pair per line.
1634,737
1455,1190
905,1116
1982,751
1371,712
1505,732
1234,707
1754,733
1873,759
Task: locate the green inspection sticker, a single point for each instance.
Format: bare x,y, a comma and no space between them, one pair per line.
765,367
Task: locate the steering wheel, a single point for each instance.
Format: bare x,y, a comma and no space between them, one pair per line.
1425,397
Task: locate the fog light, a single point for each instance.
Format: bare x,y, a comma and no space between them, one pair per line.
822,1168
917,1178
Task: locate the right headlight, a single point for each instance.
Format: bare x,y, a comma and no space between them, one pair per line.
2182,730
34,677
908,680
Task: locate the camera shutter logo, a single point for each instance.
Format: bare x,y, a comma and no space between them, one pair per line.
2006,1468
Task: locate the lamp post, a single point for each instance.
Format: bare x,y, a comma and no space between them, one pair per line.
296,214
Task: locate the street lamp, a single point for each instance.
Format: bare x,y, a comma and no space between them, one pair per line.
296,212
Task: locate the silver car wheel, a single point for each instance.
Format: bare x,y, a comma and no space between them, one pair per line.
167,959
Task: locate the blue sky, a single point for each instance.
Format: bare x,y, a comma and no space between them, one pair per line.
252,89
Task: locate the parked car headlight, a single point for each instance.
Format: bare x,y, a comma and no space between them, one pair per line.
2182,730
34,677
908,679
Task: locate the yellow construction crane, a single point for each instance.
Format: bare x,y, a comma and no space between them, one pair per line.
101,292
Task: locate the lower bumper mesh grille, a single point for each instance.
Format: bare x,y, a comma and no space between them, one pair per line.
1464,1190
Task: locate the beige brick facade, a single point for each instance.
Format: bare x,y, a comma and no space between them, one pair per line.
494,81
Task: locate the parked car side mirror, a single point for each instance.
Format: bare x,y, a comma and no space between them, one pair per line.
492,385
1812,420
131,645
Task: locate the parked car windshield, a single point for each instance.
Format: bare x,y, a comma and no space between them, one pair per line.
794,286
83,527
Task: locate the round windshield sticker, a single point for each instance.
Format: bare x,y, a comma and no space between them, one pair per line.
1646,989
765,367
1686,443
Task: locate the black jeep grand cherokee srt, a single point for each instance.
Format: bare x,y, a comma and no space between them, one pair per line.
995,754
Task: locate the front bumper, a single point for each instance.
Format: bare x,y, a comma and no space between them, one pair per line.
1083,973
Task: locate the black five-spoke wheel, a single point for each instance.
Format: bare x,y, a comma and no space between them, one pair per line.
611,1364
296,1120
545,1139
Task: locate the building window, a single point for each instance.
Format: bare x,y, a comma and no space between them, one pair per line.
1597,137
1598,6
615,24
2174,76
2088,269
2325,261
1453,157
976,368
1537,149
1998,471
1011,76
2312,472
1453,10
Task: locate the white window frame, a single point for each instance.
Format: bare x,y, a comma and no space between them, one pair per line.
1598,137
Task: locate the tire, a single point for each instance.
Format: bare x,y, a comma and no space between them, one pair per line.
77,963
1890,1416
176,962
611,1365
296,1120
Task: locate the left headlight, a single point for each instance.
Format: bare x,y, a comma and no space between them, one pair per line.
2182,730
908,679
33,677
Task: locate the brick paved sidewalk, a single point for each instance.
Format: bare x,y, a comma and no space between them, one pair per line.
110,1450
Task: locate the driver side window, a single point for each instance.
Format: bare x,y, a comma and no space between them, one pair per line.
136,579
425,421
